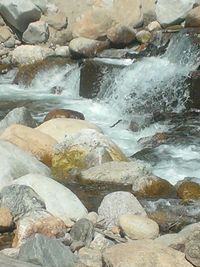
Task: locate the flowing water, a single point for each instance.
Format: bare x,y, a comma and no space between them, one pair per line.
149,85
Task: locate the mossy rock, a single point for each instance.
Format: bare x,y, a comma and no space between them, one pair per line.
188,191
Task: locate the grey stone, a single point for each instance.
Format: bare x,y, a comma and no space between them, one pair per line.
19,13
37,32
9,262
5,34
192,249
83,230
17,116
10,43
90,257
15,163
20,199
41,4
116,204
62,51
46,252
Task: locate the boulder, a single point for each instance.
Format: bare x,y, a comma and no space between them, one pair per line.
6,220
121,35
9,262
37,32
28,54
32,141
188,189
90,257
15,163
93,24
143,36
154,26
192,249
153,187
116,172
128,12
46,252
193,18
17,116
64,204
61,127
116,204
5,34
85,48
84,150
62,37
62,51
100,242
58,20
19,13
41,4
173,12
138,227
64,113
143,253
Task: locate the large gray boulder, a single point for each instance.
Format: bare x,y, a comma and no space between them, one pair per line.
59,200
17,116
6,261
172,12
37,32
47,252
15,163
19,13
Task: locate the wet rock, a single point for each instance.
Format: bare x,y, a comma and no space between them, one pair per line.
15,163
84,150
61,127
85,48
17,116
83,230
172,12
143,36
64,113
116,172
93,24
155,140
194,91
138,227
90,257
28,54
56,90
116,204
153,187
20,199
121,35
4,68
62,51
58,20
193,18
46,252
37,32
154,26
63,205
5,34
32,141
6,220
19,14
188,189
143,253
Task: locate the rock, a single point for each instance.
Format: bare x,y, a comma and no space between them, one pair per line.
37,32
15,163
143,36
17,116
47,252
154,26
116,204
41,4
62,51
188,189
32,141
121,35
85,47
28,54
193,18
83,230
138,227
101,243
116,172
143,253
5,34
62,37
9,262
93,24
172,12
92,217
153,187
6,220
19,13
2,23
90,257
58,20
192,249
10,43
64,113
76,246
20,199
61,127
194,90
10,252
82,151
128,13
63,205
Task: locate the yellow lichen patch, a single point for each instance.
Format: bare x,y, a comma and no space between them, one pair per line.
189,191
116,154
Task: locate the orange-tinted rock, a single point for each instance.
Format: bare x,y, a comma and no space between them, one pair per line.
64,113
188,191
6,219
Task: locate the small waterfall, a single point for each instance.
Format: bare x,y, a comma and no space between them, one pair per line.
155,83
